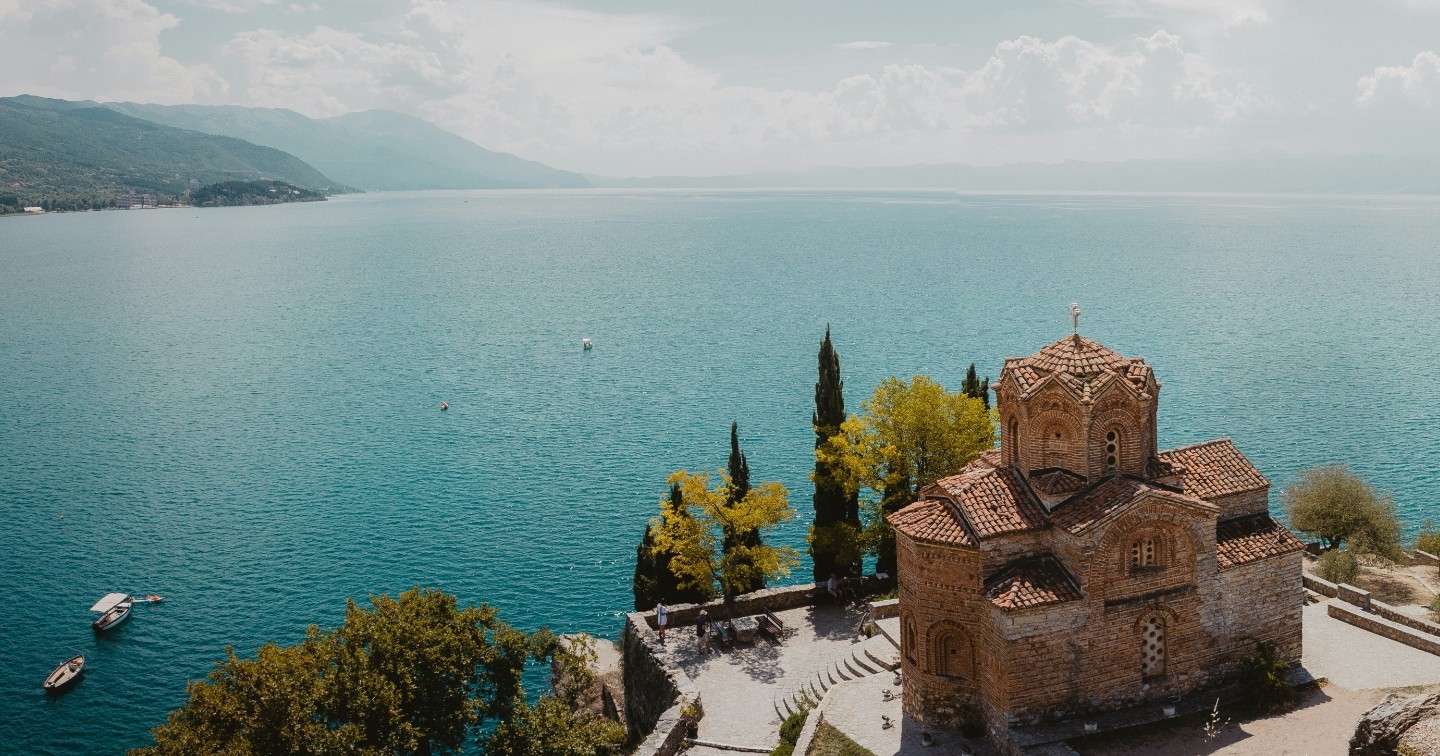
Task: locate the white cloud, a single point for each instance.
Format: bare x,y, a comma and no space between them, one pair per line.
232,6
1416,85
863,44
98,48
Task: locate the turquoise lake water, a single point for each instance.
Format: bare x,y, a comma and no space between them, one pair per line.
238,408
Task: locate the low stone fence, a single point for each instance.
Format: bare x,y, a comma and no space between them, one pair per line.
1394,615
1425,557
1322,587
885,609
1352,595
1380,626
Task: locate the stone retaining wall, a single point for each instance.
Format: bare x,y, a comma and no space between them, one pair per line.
885,609
1425,557
659,700
1322,587
1383,609
1385,628
1352,595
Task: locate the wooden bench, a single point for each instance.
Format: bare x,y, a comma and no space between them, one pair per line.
718,634
771,626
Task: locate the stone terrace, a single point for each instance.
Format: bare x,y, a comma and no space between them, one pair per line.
740,686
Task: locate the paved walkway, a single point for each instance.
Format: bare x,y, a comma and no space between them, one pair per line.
1361,660
739,685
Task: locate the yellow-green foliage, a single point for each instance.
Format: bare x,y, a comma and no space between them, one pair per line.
910,434
695,541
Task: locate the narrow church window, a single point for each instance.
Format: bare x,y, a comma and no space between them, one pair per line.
1152,647
907,638
1142,553
1112,450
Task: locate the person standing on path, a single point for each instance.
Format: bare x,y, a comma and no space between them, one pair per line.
701,620
661,616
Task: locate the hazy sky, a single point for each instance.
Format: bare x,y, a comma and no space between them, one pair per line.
640,87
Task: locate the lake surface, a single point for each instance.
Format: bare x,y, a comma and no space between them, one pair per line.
238,408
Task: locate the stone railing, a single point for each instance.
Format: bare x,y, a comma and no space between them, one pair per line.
1352,595
885,609
1394,615
1425,557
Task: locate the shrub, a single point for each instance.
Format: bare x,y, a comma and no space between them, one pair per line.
1428,539
1338,566
1263,687
790,733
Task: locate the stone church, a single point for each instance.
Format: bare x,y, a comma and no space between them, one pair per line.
1077,568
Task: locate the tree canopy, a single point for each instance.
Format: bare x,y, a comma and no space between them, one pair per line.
413,675
655,578
696,541
908,435
1336,505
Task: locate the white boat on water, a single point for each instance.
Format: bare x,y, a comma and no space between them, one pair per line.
114,609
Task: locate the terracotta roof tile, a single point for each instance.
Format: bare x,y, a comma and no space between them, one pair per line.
1215,468
1077,362
1088,507
932,520
1031,582
1250,539
1056,480
993,500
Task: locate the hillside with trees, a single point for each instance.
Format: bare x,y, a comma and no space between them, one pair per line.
71,156
251,193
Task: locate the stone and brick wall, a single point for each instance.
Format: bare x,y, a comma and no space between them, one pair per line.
1243,504
940,603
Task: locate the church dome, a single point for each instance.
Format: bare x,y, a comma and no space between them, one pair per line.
1078,362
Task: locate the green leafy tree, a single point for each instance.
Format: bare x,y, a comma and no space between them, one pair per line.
413,675
1334,504
654,578
975,388
837,510
696,541
909,434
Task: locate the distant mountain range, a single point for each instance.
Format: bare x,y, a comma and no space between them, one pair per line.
374,150
1355,174
54,148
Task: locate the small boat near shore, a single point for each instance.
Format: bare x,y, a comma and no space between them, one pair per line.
114,609
66,675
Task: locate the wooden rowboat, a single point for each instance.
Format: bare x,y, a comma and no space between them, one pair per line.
114,609
65,675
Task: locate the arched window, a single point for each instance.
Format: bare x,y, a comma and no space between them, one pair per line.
1152,646
1112,449
907,638
1142,553
951,657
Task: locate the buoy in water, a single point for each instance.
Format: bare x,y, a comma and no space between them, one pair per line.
444,406
586,344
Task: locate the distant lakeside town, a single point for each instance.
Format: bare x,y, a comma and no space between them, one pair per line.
222,194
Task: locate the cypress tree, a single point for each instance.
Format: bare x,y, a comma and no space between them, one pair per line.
654,579
739,469
975,388
832,504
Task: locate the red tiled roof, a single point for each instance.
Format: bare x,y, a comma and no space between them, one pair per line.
932,520
1215,468
1250,539
1089,507
1031,582
993,500
1077,362
1056,480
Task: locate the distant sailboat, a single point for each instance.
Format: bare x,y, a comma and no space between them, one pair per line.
586,344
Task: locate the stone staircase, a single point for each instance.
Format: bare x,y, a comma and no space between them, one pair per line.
875,655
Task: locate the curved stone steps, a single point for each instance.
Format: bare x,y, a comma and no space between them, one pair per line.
870,657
